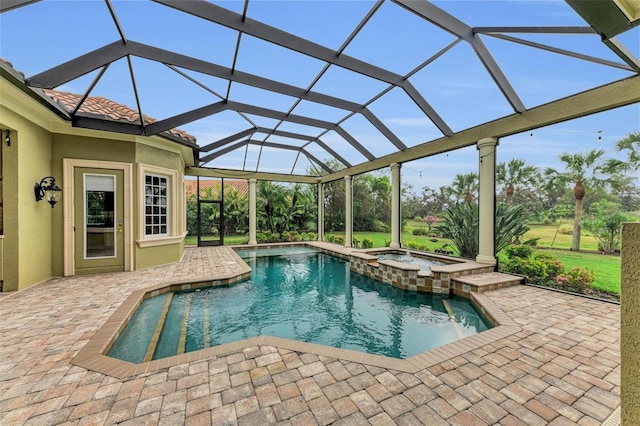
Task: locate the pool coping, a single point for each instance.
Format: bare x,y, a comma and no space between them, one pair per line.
93,355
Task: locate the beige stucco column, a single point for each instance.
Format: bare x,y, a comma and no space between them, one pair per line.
395,206
348,212
252,211
486,201
630,323
320,211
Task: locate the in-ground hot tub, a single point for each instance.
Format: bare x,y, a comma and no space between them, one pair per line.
416,271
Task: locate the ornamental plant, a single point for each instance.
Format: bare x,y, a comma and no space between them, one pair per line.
577,280
430,221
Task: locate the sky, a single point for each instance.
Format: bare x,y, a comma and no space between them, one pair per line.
39,36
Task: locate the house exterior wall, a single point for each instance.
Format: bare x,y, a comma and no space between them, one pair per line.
27,224
33,239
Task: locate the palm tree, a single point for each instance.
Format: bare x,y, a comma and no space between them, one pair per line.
513,174
630,143
464,186
584,170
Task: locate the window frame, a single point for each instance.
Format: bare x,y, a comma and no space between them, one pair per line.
174,225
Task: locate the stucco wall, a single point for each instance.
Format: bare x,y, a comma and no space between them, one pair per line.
630,322
27,224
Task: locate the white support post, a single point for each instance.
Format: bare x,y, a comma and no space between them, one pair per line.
486,201
320,211
395,206
252,211
348,212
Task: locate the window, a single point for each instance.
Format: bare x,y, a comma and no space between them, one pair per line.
160,203
156,205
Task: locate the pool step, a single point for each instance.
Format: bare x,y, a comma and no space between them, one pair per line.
480,283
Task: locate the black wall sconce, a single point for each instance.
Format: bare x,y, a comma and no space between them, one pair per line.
7,137
48,190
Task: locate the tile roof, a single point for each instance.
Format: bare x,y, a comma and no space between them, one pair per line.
108,109
240,185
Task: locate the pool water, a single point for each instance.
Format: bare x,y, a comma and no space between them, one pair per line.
424,263
303,295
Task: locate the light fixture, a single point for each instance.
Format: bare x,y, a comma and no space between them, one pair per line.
7,138
48,190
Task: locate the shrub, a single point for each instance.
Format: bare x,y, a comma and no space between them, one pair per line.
552,263
267,237
379,226
355,242
339,239
367,242
460,225
534,270
565,229
519,250
420,231
411,245
577,280
330,238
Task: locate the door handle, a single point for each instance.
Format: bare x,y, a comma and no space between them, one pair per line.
120,223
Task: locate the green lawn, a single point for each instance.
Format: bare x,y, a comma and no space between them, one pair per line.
550,237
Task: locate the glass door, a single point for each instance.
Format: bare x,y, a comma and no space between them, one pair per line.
210,223
99,224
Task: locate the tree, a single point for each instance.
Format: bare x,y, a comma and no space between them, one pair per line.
236,212
285,208
460,224
604,224
584,170
631,144
334,199
514,174
465,186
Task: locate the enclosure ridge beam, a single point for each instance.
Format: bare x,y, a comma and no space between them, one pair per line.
233,20
229,19
183,61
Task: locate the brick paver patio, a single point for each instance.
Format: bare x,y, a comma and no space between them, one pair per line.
561,368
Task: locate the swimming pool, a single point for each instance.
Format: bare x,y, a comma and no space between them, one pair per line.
298,294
